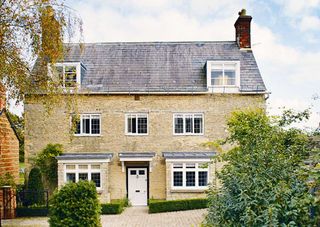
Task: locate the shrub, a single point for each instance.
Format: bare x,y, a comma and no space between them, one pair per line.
75,204
35,188
157,206
115,207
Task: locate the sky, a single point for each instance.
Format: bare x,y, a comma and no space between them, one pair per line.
285,37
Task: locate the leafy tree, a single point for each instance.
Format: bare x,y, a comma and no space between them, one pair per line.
35,187
18,124
31,29
262,182
75,204
48,165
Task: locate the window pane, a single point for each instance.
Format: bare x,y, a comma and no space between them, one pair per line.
230,77
95,166
177,166
70,166
198,124
203,178
141,172
178,124
95,177
76,124
190,179
86,124
70,76
58,71
83,176
216,77
142,125
189,124
132,124
190,165
83,166
71,177
95,124
177,178
129,125
133,172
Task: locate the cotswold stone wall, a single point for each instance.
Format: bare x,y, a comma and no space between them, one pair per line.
42,129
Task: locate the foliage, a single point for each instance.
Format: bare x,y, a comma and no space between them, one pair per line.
261,181
7,180
18,124
75,204
29,30
47,162
115,207
35,185
32,211
157,206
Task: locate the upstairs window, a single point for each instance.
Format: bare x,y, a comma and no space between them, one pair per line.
87,124
137,124
68,74
188,124
223,73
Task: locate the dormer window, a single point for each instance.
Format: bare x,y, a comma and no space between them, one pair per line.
68,73
223,74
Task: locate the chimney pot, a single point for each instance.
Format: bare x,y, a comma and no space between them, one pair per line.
243,30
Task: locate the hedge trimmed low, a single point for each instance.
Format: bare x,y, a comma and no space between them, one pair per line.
32,211
115,207
157,206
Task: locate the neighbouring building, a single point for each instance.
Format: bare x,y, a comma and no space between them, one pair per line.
9,159
145,110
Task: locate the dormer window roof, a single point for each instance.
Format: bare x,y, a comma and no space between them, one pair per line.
68,73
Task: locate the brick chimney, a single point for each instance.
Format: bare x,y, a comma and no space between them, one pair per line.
243,31
2,97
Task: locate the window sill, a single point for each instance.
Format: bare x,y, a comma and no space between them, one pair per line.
136,134
182,134
99,191
185,190
96,135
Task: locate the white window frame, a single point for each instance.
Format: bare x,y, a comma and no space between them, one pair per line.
184,170
89,171
90,117
64,64
237,72
184,124
136,115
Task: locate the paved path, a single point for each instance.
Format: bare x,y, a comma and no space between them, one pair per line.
132,216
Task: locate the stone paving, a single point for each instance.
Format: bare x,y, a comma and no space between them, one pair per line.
132,216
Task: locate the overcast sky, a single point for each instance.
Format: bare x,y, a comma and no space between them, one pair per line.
285,36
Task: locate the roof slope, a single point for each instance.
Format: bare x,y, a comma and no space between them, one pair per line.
159,66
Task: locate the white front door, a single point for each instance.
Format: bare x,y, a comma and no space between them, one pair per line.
138,186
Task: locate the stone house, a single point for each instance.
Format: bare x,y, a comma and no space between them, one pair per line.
9,159
145,110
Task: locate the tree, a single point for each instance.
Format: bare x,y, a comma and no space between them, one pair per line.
29,30
263,181
75,204
35,188
18,124
48,165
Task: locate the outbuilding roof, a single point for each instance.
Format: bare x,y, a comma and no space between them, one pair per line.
159,66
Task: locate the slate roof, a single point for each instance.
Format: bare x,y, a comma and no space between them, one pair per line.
159,66
188,155
136,154
79,156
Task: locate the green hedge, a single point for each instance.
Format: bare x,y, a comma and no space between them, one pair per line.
115,207
157,206
32,211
